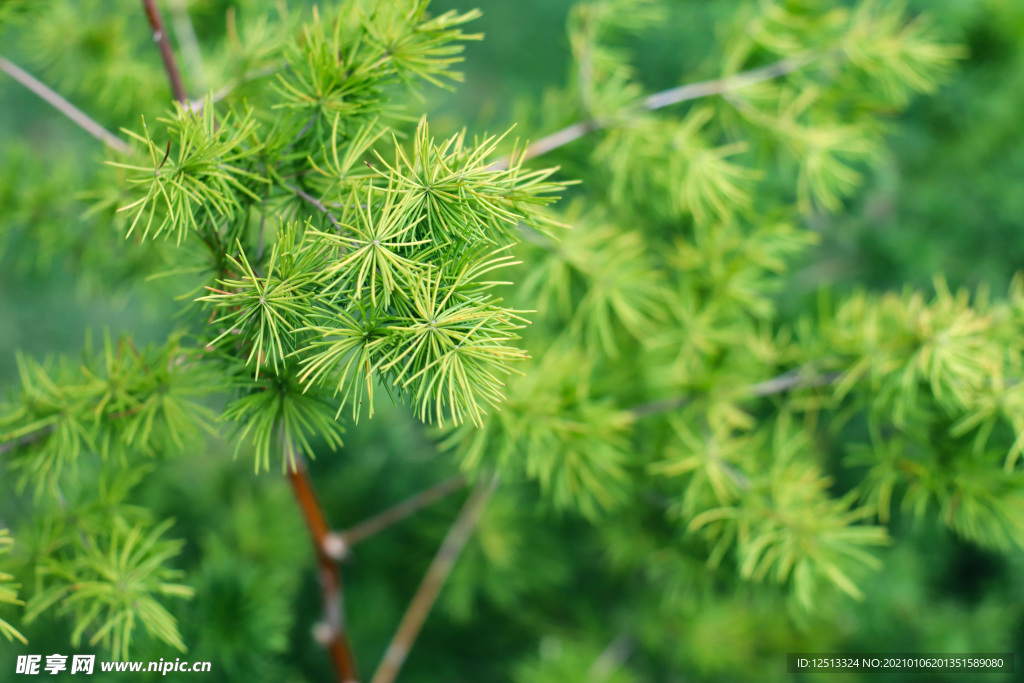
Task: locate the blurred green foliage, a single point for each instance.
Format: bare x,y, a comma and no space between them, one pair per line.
541,600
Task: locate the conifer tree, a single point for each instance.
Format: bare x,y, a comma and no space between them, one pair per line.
583,308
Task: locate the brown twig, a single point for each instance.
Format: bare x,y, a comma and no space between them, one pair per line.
693,91
395,514
63,106
433,581
166,53
332,633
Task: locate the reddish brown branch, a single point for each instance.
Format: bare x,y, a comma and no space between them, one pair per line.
166,53
395,514
332,633
433,581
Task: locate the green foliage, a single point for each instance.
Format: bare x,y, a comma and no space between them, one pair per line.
267,311
114,580
8,591
553,430
277,412
508,562
599,280
199,184
95,58
901,57
118,401
787,525
461,201
245,625
569,659
930,369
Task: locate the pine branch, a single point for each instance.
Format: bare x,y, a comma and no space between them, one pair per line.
378,523
693,91
63,106
166,53
332,633
433,581
41,433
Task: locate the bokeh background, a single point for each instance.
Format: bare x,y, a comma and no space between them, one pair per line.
948,197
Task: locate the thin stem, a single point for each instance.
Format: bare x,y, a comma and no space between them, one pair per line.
378,523
216,96
662,406
27,439
562,137
263,222
720,86
63,502
430,587
333,634
319,205
186,34
63,106
793,379
305,129
166,53
693,91
611,658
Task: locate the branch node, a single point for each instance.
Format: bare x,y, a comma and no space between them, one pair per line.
335,547
322,633
166,53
